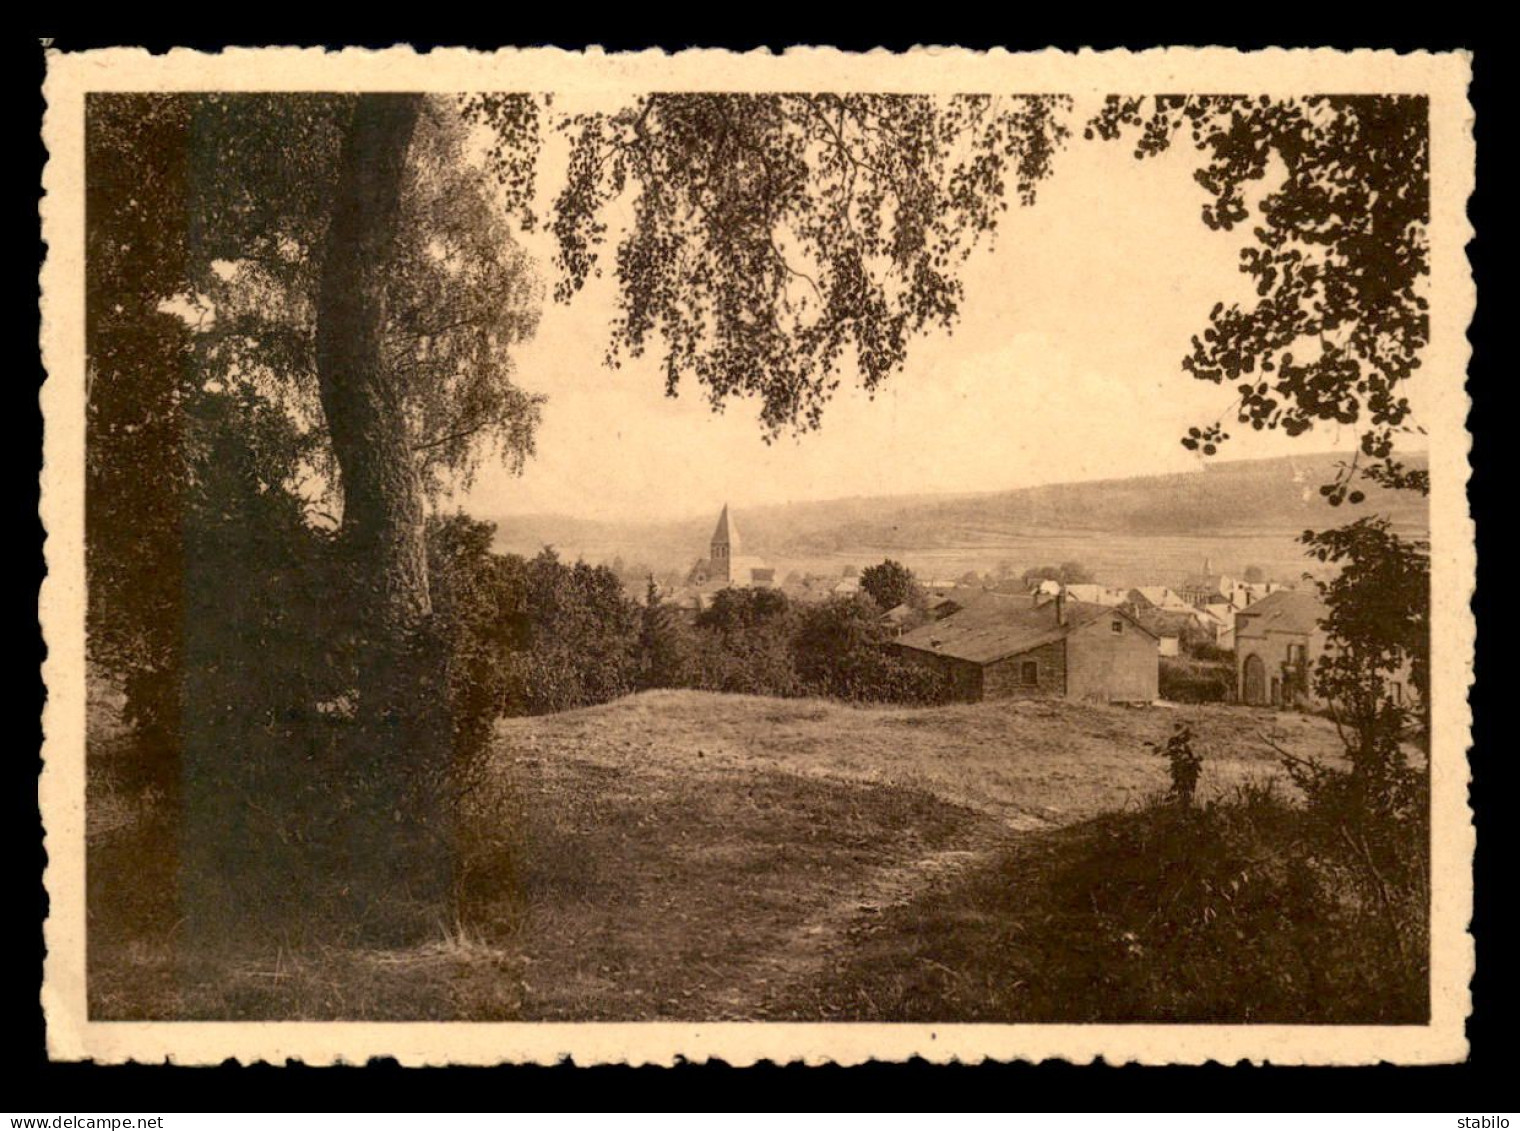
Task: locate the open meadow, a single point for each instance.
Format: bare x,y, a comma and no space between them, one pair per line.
690,856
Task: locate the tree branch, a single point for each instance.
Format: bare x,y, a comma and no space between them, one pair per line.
781,259
460,434
837,131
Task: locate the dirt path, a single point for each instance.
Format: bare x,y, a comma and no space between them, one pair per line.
775,978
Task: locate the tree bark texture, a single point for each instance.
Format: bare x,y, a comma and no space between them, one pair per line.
396,845
383,523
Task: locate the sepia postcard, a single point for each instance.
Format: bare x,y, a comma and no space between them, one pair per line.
808,557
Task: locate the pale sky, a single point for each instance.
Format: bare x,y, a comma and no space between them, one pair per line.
1064,366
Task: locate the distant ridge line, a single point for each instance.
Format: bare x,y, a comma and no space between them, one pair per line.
1211,466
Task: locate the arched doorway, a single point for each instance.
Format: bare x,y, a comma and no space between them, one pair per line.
1253,681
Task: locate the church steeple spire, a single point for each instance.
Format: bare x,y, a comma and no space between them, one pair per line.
726,534
725,545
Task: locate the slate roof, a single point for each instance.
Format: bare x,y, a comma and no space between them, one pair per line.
1165,622
1160,596
1287,610
938,608
1210,583
1096,594
997,626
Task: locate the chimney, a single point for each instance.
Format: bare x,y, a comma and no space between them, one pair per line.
1061,606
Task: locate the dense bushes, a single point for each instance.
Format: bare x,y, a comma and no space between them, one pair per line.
742,643
576,635
286,796
1189,680
1206,650
757,642
1247,908
840,650
1270,912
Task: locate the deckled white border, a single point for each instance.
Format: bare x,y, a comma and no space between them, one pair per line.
1278,72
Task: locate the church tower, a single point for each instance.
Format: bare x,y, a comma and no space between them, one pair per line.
726,565
724,548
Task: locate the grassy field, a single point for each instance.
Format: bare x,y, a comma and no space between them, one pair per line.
681,855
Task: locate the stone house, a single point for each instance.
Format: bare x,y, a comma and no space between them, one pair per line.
1024,647
1278,640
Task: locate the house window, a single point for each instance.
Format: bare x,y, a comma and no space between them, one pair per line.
1116,627
1029,672
1297,654
1397,693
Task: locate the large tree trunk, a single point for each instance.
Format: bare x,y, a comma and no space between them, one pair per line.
392,833
382,497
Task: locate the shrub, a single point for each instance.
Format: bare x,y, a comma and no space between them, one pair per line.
841,649
1184,763
757,642
574,640
891,584
744,644
743,664
1238,910
1378,624
1262,917
1377,814
665,647
1183,680
1208,651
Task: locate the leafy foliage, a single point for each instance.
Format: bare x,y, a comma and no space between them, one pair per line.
1378,809
472,612
206,220
1245,907
777,239
1338,259
216,595
758,642
841,652
743,644
1067,573
1379,634
1379,603
138,378
891,584
575,635
1242,909
462,292
1183,762
1194,679
663,646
